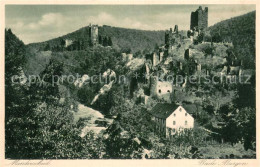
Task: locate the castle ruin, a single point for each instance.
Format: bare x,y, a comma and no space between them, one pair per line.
162,90
171,37
199,19
93,34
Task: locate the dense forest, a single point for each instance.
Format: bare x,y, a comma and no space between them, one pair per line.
241,32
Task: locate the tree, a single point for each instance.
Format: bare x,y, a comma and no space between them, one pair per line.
110,43
216,38
130,132
47,47
105,41
14,56
100,40
62,44
239,125
156,47
126,50
209,109
246,94
121,144
51,75
36,125
15,106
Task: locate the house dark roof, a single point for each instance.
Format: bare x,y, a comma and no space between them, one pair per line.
163,110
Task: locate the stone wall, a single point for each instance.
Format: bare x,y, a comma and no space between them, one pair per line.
162,90
155,59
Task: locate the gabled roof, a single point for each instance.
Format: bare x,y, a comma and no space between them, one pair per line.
163,110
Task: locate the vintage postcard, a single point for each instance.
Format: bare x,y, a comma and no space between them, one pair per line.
140,83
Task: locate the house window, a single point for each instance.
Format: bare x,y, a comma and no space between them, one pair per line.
174,115
160,91
173,130
180,109
186,122
174,123
168,91
186,114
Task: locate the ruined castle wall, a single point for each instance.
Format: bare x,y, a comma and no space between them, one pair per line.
188,53
155,59
193,20
198,67
203,19
161,56
161,89
164,88
171,37
153,86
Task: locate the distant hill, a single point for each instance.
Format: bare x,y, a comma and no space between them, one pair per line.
241,31
238,30
122,38
137,40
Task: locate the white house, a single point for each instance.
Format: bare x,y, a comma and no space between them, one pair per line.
171,118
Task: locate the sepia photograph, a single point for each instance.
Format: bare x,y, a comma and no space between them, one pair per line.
140,82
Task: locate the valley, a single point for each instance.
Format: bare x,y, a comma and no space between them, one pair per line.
116,93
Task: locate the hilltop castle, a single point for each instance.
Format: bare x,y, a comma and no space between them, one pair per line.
93,33
96,37
199,19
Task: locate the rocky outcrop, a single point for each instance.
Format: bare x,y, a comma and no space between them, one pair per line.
81,81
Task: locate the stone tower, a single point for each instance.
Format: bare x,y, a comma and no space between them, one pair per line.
199,19
168,35
176,29
93,34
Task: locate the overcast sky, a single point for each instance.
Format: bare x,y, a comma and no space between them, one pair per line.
36,23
